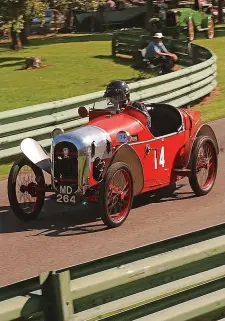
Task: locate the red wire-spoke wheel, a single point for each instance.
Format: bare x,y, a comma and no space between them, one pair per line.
26,189
203,164
116,195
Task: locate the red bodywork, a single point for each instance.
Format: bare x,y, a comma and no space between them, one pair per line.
117,155
163,158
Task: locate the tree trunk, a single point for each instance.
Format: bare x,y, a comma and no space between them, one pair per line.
100,13
220,8
149,16
15,45
23,36
51,3
197,5
70,19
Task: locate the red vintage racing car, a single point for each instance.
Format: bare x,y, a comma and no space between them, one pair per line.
114,157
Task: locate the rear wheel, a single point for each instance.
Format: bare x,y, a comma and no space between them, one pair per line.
203,165
25,189
116,195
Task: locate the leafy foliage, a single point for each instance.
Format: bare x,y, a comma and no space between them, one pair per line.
64,5
16,12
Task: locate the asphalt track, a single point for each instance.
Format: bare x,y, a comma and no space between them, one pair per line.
66,236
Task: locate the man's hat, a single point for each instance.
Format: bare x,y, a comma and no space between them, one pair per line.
158,35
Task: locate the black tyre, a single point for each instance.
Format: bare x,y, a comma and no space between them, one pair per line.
116,195
24,198
203,160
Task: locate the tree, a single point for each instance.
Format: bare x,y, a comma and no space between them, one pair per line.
66,7
149,15
63,5
221,4
17,15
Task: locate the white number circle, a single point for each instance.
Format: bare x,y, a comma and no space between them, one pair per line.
122,137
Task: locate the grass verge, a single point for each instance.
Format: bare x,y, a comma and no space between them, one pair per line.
73,65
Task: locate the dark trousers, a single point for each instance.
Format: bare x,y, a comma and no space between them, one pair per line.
166,63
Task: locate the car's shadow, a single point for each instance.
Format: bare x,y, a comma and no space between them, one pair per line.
59,220
166,194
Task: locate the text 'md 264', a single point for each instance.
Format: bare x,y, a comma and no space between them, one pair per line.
65,195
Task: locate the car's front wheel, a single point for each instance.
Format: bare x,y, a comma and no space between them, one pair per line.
116,195
26,189
203,165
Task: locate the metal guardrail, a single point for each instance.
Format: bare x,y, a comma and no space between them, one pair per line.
178,88
181,278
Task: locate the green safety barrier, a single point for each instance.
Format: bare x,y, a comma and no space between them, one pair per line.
177,279
182,87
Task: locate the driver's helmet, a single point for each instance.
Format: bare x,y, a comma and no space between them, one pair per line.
117,92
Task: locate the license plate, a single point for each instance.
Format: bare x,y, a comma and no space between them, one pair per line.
65,195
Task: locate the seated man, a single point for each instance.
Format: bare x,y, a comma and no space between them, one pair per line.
157,53
118,94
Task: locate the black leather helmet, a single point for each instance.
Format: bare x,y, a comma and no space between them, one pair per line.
117,91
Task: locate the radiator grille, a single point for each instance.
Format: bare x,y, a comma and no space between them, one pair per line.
66,163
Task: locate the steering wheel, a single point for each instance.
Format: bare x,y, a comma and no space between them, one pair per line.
127,107
135,108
